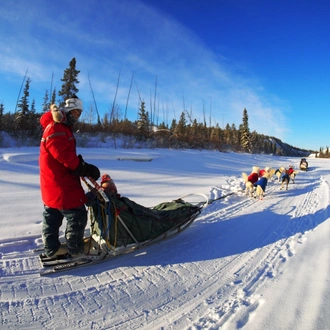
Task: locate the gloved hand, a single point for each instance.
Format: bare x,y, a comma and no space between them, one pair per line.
85,169
91,198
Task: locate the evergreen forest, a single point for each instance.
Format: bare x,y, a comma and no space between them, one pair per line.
23,125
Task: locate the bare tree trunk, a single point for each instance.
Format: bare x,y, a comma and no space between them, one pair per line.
204,115
51,89
152,119
165,114
114,100
129,92
97,112
174,114
157,114
19,94
210,119
113,110
137,88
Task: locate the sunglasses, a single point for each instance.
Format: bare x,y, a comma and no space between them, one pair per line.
76,113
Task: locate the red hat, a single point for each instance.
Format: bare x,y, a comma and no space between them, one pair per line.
105,178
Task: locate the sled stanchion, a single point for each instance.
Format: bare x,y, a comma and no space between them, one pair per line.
105,199
130,233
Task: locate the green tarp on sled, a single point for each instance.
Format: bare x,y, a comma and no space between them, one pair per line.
143,223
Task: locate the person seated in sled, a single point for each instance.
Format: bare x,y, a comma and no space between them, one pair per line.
303,163
108,185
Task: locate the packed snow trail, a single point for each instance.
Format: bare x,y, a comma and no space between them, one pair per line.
239,277
242,264
185,278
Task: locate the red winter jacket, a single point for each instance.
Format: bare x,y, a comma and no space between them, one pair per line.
59,188
253,177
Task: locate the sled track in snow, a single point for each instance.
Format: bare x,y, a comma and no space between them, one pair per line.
243,291
226,281
199,287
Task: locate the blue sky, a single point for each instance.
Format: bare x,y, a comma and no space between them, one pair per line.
213,58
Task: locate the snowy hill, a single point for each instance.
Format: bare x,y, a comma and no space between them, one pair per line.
287,150
243,263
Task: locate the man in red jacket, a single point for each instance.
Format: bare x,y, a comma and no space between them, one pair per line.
60,172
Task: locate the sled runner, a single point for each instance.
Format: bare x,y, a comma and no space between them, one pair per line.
119,226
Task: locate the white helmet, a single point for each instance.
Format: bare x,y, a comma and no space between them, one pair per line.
72,104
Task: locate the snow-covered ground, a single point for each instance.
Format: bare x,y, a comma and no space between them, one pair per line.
243,263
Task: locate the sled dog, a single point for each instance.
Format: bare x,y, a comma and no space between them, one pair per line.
261,185
250,180
292,173
285,180
266,170
278,173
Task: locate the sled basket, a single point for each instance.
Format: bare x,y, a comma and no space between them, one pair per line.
118,222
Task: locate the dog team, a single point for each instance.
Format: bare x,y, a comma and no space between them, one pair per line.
256,182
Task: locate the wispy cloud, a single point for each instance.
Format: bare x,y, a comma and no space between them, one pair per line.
110,37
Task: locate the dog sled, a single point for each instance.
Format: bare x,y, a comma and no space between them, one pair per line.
119,225
303,164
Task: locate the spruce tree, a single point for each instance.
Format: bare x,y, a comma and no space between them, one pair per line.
53,98
216,136
227,135
33,107
45,104
143,122
22,114
70,81
173,125
235,138
2,110
180,129
194,130
245,132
